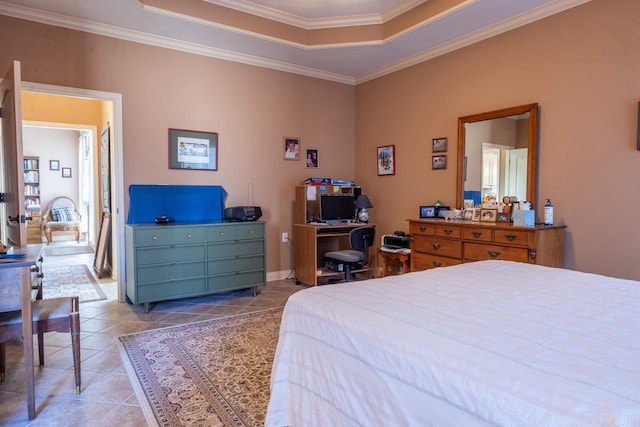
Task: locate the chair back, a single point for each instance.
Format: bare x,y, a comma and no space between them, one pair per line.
361,239
62,209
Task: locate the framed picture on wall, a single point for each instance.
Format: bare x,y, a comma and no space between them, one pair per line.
66,172
190,149
54,165
439,145
386,160
291,148
313,159
439,162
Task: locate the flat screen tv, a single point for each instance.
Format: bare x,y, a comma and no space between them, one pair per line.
336,208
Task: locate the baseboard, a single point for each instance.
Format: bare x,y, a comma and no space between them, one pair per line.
279,275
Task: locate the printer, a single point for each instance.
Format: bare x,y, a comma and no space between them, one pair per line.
396,242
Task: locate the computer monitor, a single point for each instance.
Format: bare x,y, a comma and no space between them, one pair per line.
336,208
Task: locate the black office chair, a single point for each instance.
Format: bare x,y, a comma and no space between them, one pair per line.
360,240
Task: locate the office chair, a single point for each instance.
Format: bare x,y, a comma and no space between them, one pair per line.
360,240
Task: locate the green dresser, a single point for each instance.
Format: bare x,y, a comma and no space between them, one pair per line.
184,260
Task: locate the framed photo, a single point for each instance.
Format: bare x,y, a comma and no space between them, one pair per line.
439,145
291,148
190,149
476,214
468,214
313,159
427,211
488,215
503,217
386,160
54,165
468,204
66,172
439,162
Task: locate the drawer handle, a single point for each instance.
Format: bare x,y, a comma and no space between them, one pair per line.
422,228
172,280
510,237
493,254
448,231
250,231
189,236
155,237
172,263
476,234
436,263
435,246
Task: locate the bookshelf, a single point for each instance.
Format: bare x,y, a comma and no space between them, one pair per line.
31,167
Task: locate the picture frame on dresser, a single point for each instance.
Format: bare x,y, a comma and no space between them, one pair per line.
503,217
488,215
427,211
468,214
194,150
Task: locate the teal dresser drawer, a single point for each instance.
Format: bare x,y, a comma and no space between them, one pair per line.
162,235
236,231
162,255
227,282
230,265
171,290
168,272
157,236
187,235
226,250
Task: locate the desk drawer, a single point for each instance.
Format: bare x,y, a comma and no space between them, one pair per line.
480,252
434,246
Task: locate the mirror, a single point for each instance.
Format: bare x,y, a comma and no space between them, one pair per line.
497,155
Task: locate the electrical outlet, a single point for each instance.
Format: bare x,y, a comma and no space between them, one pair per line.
285,237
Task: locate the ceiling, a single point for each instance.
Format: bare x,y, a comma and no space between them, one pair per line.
349,41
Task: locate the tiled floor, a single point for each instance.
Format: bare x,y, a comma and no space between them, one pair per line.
107,398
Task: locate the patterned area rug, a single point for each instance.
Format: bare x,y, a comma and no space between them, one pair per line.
211,373
69,281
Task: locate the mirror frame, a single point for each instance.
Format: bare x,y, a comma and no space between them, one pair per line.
532,146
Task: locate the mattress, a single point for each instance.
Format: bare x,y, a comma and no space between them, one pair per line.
491,343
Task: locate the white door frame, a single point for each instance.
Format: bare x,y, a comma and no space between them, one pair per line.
117,212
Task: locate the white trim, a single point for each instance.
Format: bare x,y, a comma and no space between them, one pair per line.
118,214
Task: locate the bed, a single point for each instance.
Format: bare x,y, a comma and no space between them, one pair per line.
491,343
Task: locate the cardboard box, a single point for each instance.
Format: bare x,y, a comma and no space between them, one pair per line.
526,218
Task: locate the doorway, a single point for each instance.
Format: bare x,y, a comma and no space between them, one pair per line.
113,116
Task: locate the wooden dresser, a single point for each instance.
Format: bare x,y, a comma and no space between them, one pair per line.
439,243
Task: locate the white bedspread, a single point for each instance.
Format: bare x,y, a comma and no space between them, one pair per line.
490,343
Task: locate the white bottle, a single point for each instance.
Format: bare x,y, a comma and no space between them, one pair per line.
548,213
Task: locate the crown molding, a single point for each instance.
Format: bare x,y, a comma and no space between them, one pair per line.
475,37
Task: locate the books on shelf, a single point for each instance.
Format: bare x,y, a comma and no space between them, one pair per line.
329,181
31,164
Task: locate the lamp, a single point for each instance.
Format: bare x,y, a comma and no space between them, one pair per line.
362,203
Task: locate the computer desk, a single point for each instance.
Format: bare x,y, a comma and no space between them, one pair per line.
312,241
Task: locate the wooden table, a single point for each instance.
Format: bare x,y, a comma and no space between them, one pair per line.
33,257
394,262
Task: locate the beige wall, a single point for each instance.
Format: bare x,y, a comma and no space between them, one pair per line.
251,108
582,67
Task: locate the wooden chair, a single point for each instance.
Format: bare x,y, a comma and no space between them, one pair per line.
49,315
61,215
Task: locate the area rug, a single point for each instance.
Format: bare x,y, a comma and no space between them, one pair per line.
210,373
68,250
71,280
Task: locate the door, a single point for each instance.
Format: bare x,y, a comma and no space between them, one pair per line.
13,214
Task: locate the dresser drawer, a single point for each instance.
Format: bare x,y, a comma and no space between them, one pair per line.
511,237
170,290
480,252
434,246
224,282
423,261
226,250
422,228
165,255
152,237
450,231
238,231
170,272
187,235
236,264
477,235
